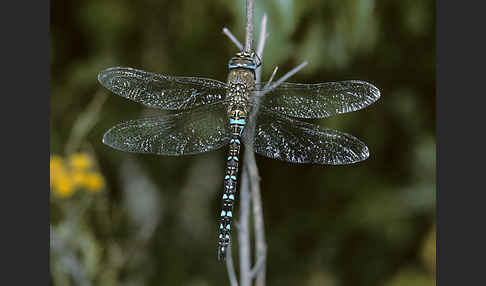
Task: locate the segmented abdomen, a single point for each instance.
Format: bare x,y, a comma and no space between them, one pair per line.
229,187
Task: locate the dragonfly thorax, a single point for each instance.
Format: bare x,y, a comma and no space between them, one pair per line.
237,94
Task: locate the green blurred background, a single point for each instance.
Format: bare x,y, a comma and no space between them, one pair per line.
131,219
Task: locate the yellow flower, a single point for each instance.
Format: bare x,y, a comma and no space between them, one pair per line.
65,178
94,182
80,161
56,163
63,186
60,180
79,178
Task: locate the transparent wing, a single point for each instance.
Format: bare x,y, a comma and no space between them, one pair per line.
319,100
161,91
280,137
203,129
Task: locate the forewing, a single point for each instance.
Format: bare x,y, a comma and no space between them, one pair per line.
280,137
162,91
318,100
203,129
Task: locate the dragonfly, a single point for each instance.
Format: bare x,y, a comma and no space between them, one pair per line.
212,114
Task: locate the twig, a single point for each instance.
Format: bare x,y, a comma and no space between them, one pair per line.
228,33
244,231
252,168
230,268
258,265
249,25
271,77
260,244
261,40
284,78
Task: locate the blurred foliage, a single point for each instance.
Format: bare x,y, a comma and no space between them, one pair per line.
152,220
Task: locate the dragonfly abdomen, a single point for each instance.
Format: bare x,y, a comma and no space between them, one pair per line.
237,122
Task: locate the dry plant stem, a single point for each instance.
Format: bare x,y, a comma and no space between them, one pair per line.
272,76
261,44
228,33
244,231
284,78
257,268
230,268
249,25
259,230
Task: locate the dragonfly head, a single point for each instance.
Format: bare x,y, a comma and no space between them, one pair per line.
245,60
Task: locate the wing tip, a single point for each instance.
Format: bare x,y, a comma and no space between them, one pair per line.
376,92
107,139
362,153
357,155
365,153
110,138
107,74
102,76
